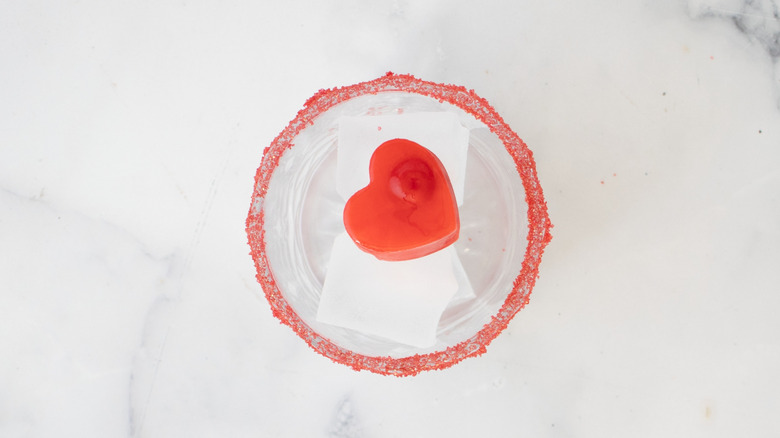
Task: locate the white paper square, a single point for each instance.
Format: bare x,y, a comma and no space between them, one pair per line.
402,301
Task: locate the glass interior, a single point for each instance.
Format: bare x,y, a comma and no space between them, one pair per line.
303,215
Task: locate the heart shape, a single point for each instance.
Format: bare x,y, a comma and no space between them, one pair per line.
408,209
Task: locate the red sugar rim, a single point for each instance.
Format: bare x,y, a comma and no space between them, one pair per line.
539,225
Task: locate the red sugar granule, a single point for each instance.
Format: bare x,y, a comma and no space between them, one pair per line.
539,225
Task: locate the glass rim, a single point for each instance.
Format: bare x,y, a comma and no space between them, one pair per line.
539,225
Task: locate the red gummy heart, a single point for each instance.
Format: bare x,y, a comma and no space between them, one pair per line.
408,209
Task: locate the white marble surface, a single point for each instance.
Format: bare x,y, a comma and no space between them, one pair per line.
129,137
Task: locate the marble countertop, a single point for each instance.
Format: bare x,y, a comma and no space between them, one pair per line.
130,133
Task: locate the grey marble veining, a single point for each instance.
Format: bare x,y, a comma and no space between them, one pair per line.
757,19
345,421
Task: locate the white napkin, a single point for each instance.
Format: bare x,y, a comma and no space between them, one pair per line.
402,301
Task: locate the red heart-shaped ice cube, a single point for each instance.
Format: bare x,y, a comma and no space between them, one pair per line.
408,209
